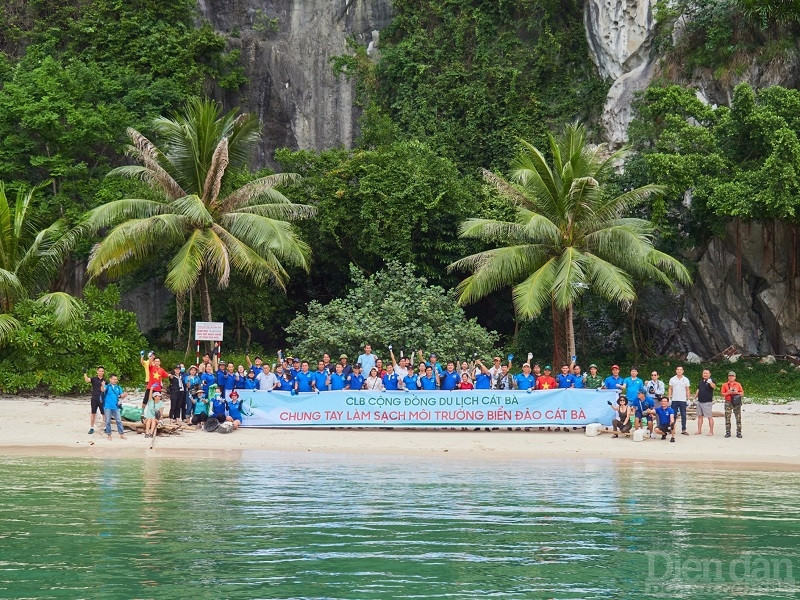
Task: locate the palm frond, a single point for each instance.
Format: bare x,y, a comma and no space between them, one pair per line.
495,269
193,208
506,189
261,188
260,270
154,174
216,259
669,265
608,280
6,230
219,162
264,235
10,287
535,293
67,309
613,208
186,266
8,325
283,211
570,277
133,241
115,211
491,230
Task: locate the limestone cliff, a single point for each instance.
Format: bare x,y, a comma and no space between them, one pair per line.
286,47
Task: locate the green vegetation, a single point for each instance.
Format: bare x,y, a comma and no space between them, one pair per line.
394,306
739,162
44,352
74,75
567,236
218,227
470,78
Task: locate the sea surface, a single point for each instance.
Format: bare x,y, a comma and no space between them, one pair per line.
278,525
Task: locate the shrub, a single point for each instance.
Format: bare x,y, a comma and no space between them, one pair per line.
393,306
41,354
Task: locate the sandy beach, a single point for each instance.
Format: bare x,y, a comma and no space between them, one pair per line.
58,427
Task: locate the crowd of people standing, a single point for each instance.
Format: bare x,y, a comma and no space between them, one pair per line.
209,389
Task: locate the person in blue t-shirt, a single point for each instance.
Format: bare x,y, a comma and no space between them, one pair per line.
565,379
207,378
256,367
428,381
410,381
644,409
234,406
112,394
525,380
230,380
356,379
390,381
191,383
632,385
666,420
433,362
285,380
338,378
613,381
321,377
295,367
303,379
218,407
483,377
250,382
450,378
580,382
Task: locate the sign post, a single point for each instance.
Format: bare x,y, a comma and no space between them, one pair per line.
207,331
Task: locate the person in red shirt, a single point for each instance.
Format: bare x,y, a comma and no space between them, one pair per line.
546,382
465,383
732,392
155,375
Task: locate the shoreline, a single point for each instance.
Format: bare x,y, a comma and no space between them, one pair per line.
58,428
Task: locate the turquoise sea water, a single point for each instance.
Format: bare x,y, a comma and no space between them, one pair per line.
273,525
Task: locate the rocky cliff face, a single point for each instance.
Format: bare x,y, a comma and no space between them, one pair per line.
620,36
287,46
746,293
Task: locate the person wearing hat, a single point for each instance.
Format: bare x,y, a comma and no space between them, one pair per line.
733,392
347,370
622,422
525,380
613,381
200,409
234,406
546,381
152,413
593,381
433,362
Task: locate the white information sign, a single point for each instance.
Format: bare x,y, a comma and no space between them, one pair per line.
207,331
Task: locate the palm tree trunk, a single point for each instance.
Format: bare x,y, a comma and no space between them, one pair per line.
205,297
570,326
560,345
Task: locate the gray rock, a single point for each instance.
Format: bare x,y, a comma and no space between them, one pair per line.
287,47
768,360
693,359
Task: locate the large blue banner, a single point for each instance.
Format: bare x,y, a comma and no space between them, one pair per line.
477,408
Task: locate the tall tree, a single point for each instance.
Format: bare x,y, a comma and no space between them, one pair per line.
568,236
218,227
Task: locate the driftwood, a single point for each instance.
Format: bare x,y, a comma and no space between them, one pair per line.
163,428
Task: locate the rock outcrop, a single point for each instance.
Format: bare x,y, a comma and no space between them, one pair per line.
287,47
746,293
620,36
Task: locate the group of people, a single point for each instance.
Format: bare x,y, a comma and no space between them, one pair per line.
209,389
655,407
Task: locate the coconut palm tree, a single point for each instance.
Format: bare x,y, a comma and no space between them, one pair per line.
567,236
217,227
29,258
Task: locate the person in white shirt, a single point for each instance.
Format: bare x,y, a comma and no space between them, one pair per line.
399,368
367,360
267,380
679,395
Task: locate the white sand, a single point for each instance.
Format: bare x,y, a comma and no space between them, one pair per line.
59,427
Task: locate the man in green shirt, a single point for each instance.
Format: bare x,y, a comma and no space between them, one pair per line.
593,380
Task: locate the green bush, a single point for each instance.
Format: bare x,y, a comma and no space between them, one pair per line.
42,354
393,306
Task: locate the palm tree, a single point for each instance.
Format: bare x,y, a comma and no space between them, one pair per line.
567,236
218,227
29,257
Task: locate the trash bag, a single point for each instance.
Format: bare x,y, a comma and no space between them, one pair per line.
225,427
211,424
131,413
